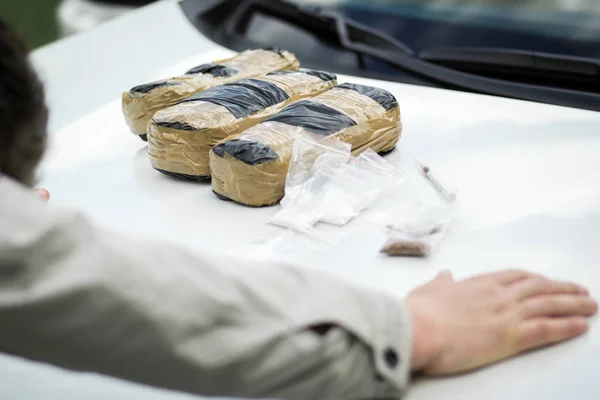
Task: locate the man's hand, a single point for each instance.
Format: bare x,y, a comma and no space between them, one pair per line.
43,193
459,326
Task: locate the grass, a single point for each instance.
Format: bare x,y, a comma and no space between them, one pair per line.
35,20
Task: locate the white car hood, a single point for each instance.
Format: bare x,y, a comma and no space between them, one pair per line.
527,174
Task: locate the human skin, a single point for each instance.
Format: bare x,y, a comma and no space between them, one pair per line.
43,193
463,325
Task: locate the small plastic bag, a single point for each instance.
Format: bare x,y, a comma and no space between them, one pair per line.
384,170
309,176
417,233
309,155
326,184
368,178
287,247
338,202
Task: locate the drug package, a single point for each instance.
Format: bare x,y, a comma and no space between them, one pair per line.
251,168
180,137
141,102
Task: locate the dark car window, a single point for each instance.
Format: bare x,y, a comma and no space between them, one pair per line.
539,50
542,25
134,3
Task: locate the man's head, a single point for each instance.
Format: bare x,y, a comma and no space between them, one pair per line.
23,113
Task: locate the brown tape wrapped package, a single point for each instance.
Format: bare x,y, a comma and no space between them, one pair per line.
142,102
251,168
180,137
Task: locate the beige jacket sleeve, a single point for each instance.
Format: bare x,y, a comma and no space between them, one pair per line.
87,299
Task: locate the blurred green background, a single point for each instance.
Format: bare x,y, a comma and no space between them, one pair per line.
34,19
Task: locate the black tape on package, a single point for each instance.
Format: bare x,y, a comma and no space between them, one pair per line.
315,117
251,168
215,70
180,137
243,97
323,75
141,102
383,97
249,152
151,86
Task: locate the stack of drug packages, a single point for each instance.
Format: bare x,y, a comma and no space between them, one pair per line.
236,120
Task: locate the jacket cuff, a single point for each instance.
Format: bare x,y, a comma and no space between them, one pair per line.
392,351
382,323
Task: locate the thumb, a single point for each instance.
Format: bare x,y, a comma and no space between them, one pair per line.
445,276
43,193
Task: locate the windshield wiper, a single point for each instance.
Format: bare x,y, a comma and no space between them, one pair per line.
552,70
364,41
511,58
312,19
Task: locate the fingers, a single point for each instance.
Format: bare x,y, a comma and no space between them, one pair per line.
445,276
558,306
511,276
43,193
536,286
539,332
506,277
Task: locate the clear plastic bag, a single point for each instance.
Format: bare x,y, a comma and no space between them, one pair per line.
309,176
310,155
339,199
287,247
417,230
366,179
325,184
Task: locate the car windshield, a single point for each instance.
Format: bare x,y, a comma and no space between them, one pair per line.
520,24
537,50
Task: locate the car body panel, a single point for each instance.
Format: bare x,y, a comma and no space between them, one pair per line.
527,174
74,16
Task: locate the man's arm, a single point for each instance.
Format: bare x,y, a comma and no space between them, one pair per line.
92,300
87,299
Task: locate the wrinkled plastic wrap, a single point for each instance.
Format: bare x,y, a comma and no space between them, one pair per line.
251,168
180,137
143,101
326,184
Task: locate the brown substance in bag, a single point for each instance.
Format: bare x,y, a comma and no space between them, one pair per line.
142,102
408,248
251,168
180,137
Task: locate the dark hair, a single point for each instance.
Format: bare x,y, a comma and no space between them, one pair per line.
23,112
